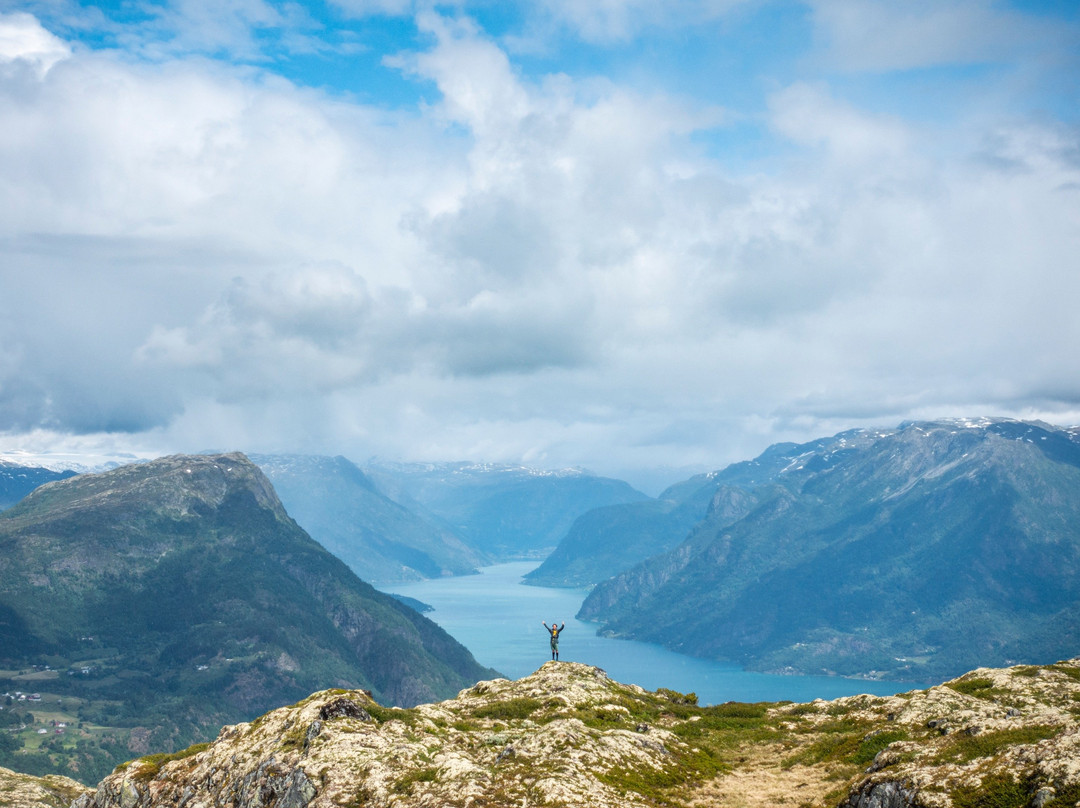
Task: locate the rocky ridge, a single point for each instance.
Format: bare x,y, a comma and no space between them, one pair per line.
25,791
570,736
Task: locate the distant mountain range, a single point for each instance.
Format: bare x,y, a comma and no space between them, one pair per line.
911,553
501,511
167,597
381,540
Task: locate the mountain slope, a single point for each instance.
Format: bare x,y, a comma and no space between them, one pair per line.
179,594
16,481
379,539
569,736
915,553
606,541
502,511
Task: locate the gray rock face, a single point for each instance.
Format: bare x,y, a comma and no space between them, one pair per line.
343,708
889,794
273,785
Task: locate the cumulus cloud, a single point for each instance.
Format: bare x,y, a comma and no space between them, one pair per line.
24,41
884,35
548,268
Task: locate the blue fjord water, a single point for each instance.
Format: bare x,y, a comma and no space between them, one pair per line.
498,618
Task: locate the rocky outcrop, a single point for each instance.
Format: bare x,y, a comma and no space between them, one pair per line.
24,791
569,736
564,735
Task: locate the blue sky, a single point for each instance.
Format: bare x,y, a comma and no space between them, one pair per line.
641,237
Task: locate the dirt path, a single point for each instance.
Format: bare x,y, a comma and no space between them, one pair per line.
759,781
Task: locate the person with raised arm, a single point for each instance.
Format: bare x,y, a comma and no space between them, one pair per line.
554,630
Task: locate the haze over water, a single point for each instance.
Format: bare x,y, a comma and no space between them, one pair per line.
499,619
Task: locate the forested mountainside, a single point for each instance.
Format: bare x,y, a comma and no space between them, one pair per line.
381,540
911,553
157,601
504,512
606,541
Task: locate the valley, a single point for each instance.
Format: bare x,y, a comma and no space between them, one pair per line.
143,607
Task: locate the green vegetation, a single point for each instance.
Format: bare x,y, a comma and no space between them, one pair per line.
405,784
996,790
657,785
675,697
964,747
1071,671
384,714
150,766
979,687
510,710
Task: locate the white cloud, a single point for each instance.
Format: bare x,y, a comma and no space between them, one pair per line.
549,268
809,115
24,40
364,8
607,21
888,35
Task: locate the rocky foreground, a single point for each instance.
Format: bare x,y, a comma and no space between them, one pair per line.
570,736
23,791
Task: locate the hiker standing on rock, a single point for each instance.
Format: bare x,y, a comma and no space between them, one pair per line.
554,630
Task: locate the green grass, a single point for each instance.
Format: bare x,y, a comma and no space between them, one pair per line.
510,710
404,785
151,765
675,697
997,790
1027,670
979,687
1069,670
656,785
966,748
383,714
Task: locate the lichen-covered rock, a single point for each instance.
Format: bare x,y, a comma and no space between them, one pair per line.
25,791
565,735
569,736
888,794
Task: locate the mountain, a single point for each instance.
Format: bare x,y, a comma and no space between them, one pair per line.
502,511
570,736
164,598
910,553
16,481
606,541
380,540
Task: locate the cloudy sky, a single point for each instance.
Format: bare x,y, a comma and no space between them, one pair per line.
637,236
